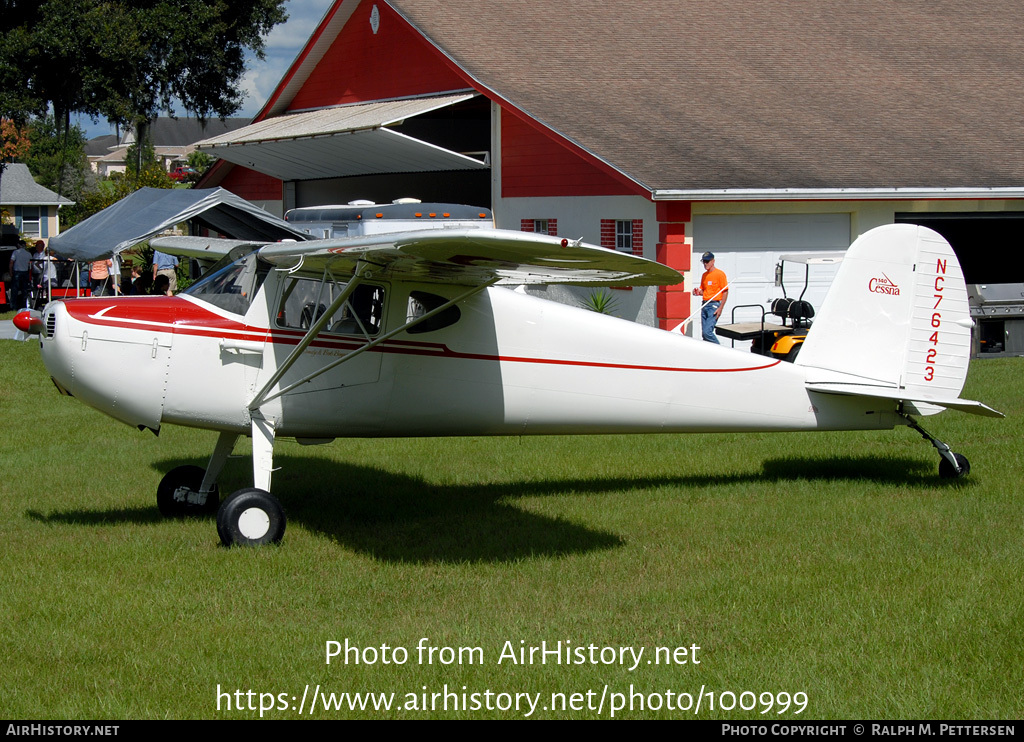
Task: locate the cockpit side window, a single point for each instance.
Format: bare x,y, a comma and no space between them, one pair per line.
231,284
304,301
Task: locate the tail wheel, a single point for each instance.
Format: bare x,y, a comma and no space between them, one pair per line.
250,517
948,471
178,496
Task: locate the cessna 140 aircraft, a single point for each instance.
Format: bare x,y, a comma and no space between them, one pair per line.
414,333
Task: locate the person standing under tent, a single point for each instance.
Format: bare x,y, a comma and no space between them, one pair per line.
99,277
166,265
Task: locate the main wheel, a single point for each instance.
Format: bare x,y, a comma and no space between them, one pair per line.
946,470
178,493
250,517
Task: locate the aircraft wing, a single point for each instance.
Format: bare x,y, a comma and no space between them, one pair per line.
200,248
472,257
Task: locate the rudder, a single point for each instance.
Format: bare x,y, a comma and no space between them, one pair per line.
896,315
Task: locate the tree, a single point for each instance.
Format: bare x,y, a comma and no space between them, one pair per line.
109,191
143,168
128,60
57,159
14,143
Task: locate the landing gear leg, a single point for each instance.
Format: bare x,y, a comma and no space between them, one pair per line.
252,516
225,445
262,451
951,465
190,490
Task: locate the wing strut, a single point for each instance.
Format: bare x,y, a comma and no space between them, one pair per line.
263,396
310,336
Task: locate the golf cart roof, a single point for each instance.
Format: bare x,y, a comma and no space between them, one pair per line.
818,258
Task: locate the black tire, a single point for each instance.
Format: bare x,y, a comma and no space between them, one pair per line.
792,354
946,470
250,517
184,478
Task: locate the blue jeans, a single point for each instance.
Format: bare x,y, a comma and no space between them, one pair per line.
20,295
708,320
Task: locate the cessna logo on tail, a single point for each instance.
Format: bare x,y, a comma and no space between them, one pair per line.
883,285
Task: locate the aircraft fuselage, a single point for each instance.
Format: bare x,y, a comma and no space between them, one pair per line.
504,364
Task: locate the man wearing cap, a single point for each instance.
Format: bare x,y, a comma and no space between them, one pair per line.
714,290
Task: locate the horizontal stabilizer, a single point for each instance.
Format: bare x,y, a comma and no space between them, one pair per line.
867,390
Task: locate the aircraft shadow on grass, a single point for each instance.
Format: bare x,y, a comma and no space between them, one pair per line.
398,518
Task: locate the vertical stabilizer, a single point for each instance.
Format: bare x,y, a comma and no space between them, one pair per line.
896,315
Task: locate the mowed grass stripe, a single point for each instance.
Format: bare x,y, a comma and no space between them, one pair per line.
837,564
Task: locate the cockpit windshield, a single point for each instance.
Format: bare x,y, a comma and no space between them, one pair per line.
232,282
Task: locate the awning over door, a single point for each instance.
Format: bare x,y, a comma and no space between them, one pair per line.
342,141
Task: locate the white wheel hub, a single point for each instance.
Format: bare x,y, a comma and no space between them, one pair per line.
254,523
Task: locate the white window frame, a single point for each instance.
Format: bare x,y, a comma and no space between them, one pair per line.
27,222
624,235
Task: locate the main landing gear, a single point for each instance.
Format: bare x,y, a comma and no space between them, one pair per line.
249,517
951,465
180,493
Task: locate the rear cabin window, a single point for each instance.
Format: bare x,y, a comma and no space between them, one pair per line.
305,300
420,303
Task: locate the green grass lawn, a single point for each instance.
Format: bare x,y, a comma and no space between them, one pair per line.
837,565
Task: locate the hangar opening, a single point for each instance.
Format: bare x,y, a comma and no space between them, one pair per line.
463,127
990,248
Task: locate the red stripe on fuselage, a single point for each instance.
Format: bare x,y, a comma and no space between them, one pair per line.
182,317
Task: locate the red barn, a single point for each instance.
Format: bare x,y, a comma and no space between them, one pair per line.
664,129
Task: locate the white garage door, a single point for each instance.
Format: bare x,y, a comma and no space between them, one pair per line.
748,247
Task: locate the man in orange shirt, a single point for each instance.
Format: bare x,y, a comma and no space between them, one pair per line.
714,290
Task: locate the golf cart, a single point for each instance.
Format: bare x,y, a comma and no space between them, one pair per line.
780,339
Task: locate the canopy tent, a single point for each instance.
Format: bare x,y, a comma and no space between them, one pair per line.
150,211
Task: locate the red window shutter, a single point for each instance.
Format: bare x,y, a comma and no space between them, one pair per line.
608,233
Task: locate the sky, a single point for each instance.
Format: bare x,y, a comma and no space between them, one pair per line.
282,45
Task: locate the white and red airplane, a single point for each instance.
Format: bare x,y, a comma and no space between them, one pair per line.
414,333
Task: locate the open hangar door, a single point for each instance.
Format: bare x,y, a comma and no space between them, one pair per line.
990,248
747,247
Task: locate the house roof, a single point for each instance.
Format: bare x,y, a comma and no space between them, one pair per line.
730,94
19,188
165,131
100,146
